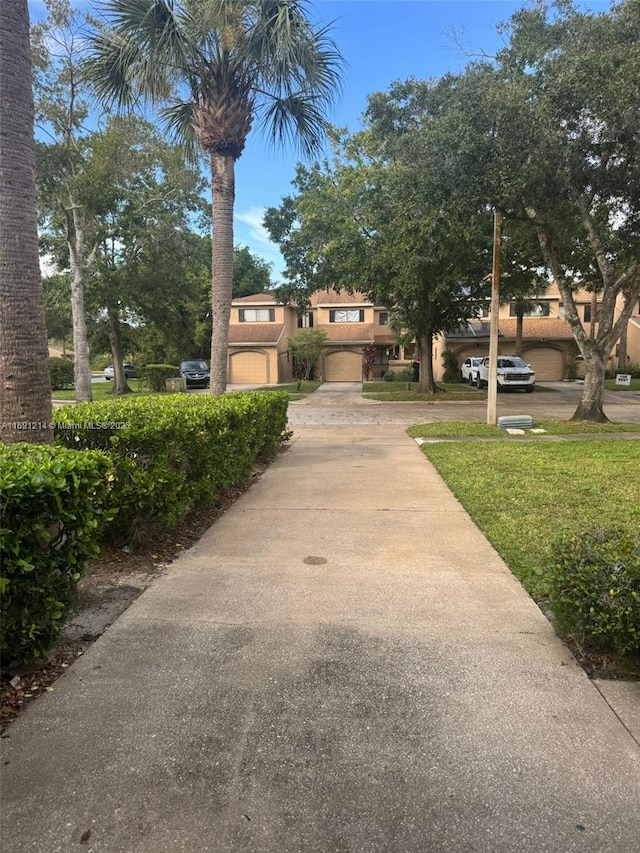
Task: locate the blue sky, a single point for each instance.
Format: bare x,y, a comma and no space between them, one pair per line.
382,41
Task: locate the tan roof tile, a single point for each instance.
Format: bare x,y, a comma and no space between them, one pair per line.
254,333
257,298
348,332
536,327
385,340
333,297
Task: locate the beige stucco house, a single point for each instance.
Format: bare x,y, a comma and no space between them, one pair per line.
260,329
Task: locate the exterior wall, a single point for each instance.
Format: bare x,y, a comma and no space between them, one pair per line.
275,354
633,340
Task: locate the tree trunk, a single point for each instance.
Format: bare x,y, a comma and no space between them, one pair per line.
426,384
591,406
120,385
622,348
81,361
223,196
592,321
25,385
519,325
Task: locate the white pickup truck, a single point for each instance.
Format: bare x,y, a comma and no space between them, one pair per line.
513,372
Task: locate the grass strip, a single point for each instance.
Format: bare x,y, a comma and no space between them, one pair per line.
476,429
522,496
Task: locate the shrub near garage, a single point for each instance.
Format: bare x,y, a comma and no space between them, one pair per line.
594,582
173,453
52,502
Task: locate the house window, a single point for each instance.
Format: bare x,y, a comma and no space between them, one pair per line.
539,309
587,313
383,318
257,315
346,316
305,321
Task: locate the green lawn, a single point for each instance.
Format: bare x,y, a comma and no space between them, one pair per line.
101,391
295,390
406,392
469,429
610,385
523,495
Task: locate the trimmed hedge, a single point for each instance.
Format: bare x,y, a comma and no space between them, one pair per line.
173,453
594,582
155,375
51,500
61,373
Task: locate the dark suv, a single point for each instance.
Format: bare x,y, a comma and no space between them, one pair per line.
196,373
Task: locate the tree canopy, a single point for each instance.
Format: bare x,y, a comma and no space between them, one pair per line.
214,67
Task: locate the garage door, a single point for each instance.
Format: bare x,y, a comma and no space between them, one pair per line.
343,367
248,368
547,363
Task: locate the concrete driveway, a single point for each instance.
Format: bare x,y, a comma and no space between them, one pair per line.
341,403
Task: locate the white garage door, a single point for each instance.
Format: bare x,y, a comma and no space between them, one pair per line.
343,366
547,363
248,368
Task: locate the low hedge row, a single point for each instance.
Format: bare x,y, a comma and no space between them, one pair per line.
594,581
173,453
139,464
52,501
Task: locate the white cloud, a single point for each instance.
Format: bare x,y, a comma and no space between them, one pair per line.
256,237
253,218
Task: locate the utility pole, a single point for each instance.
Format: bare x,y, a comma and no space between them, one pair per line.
492,389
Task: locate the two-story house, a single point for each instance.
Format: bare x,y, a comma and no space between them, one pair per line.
260,329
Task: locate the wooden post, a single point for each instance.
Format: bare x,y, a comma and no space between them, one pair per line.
492,389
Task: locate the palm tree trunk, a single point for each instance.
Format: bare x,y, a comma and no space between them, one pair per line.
222,200
25,386
81,362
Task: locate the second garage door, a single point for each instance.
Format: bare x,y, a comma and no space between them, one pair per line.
248,368
343,366
547,363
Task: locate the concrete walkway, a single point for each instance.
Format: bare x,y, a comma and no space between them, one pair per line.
342,663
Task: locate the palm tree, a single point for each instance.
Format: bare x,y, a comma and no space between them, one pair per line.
216,66
25,387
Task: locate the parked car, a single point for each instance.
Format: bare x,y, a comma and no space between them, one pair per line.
196,373
469,369
513,372
130,371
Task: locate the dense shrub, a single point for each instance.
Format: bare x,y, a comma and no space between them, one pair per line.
61,372
389,376
51,500
595,588
174,453
155,375
630,368
405,375
451,368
